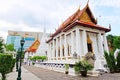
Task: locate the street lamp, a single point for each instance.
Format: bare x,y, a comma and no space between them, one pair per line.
18,58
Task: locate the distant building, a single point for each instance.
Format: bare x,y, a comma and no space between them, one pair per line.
14,37
38,48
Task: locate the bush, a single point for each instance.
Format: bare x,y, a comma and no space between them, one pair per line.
13,64
66,67
34,58
83,65
6,64
118,61
111,61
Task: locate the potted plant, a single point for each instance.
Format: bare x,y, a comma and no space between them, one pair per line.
82,67
66,68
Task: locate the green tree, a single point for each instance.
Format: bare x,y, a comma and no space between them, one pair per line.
1,45
10,47
116,42
6,64
118,61
111,61
113,42
110,39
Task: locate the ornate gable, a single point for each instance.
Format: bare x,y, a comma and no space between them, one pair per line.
85,17
34,46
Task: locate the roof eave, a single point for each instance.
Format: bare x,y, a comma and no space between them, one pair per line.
87,25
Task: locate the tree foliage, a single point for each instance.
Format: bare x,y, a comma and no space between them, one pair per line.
112,62
113,42
118,60
34,58
10,47
6,64
116,42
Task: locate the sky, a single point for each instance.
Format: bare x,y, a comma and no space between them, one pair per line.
34,15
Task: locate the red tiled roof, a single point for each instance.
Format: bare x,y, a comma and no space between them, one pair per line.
34,46
86,24
73,18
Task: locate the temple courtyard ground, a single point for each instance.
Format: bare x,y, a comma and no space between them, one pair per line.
44,74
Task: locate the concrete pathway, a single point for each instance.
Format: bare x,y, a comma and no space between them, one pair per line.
45,74
26,75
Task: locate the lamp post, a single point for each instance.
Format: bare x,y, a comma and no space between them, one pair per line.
18,58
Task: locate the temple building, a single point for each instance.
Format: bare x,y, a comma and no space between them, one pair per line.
38,47
75,37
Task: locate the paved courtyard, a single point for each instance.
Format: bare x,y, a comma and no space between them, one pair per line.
45,74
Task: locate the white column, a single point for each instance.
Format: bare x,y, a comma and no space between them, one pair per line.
100,44
78,48
48,54
50,51
65,43
72,43
53,50
105,43
56,48
84,38
61,47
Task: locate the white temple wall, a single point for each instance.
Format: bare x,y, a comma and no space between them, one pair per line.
73,42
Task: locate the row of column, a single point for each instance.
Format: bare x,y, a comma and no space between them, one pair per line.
75,37
80,46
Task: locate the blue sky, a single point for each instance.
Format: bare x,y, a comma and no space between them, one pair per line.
33,15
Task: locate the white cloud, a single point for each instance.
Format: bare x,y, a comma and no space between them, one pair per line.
33,15
16,27
107,3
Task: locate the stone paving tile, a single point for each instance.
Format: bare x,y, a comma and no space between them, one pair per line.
25,75
45,74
